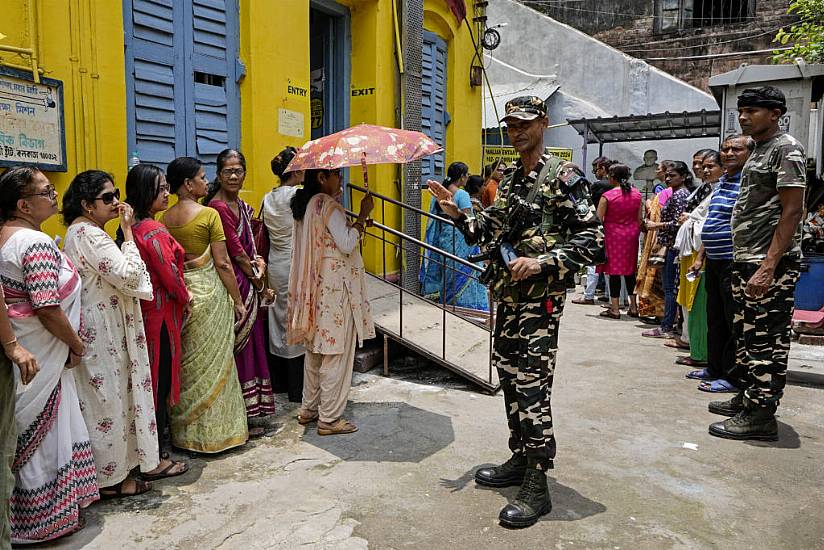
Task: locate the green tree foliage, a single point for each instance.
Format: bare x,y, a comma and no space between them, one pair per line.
806,37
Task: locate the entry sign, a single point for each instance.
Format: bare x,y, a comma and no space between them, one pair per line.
509,155
32,129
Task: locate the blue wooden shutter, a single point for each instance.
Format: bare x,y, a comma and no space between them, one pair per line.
433,103
154,91
214,97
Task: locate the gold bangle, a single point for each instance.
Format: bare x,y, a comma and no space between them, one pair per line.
10,342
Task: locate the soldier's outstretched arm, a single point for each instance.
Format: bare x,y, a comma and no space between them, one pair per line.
584,244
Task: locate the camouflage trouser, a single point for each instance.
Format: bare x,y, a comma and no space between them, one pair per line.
526,344
761,328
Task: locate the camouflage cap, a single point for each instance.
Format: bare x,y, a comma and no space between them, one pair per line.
526,107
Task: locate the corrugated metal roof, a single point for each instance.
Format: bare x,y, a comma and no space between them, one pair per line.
649,127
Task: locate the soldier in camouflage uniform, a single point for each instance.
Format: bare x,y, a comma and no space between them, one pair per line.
560,235
766,228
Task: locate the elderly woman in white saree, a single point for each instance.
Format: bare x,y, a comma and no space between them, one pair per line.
328,308
53,466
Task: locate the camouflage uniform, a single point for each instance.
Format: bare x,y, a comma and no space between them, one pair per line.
762,326
565,236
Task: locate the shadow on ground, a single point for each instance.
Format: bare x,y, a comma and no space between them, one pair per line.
567,503
787,439
387,432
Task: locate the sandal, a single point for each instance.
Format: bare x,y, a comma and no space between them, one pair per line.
303,420
656,333
688,361
717,386
677,343
167,471
583,301
117,491
700,374
340,426
634,314
607,313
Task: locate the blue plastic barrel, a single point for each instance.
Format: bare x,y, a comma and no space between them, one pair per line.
809,291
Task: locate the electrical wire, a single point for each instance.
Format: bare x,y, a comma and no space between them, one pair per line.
554,3
703,45
716,55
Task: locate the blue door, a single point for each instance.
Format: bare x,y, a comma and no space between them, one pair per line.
181,79
434,117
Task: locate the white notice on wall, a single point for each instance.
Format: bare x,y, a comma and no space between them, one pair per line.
290,123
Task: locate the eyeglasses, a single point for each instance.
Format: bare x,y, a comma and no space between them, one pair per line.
229,172
110,197
50,192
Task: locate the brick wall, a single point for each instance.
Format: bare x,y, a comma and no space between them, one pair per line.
628,25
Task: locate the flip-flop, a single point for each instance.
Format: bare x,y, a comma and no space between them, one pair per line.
303,420
677,343
607,313
109,493
341,426
583,301
700,374
656,333
717,386
633,314
688,361
165,472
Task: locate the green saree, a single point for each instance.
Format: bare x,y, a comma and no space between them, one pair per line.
211,415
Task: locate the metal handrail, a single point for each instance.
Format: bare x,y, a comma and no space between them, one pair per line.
447,261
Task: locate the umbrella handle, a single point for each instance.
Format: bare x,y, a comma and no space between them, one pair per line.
365,172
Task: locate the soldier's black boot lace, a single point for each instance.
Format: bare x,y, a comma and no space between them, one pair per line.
531,502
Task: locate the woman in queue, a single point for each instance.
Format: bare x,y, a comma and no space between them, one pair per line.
14,353
328,309
53,466
114,380
444,280
620,210
148,194
277,216
250,274
210,416
679,179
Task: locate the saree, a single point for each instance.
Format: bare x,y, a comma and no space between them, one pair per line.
250,338
448,281
210,416
649,285
53,466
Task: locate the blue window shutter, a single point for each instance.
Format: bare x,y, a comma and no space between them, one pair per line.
155,95
216,102
433,103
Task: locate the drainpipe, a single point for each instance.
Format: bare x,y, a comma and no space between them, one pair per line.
412,51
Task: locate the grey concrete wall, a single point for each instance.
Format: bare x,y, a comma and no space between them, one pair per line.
595,80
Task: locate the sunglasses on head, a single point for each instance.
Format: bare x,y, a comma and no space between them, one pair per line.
109,197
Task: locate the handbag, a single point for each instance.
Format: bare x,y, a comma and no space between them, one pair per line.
658,255
260,234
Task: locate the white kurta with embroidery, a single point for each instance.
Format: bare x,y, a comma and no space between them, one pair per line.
114,380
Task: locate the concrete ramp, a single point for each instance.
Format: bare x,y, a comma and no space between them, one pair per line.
451,338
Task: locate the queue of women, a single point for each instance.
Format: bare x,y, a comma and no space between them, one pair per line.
164,336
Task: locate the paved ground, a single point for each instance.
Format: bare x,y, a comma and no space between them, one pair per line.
635,469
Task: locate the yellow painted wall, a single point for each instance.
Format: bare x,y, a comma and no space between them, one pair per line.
80,43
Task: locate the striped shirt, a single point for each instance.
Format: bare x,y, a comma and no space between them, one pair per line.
717,232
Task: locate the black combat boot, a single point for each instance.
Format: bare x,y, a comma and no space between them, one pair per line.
751,423
531,502
509,473
730,407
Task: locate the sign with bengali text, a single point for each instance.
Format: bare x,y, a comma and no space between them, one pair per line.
32,129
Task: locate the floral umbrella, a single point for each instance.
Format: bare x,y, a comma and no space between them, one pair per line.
363,144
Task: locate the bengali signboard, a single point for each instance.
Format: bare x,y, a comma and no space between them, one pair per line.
509,155
32,129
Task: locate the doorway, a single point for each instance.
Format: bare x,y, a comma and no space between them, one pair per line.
329,55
